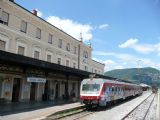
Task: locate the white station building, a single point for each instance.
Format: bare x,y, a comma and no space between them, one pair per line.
38,61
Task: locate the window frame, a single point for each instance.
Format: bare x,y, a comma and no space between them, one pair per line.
38,33
67,62
68,47
74,65
59,63
38,54
2,18
25,31
4,45
23,50
60,43
75,50
50,39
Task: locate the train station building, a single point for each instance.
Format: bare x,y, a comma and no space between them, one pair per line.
38,61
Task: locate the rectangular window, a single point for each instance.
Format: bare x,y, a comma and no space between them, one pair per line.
85,54
0,13
67,63
75,50
50,37
59,61
74,65
23,26
38,33
2,45
36,54
68,47
49,58
4,18
92,70
60,43
21,50
85,68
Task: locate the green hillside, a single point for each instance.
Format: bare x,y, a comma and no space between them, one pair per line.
140,75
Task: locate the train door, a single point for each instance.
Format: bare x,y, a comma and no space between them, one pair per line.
33,91
16,90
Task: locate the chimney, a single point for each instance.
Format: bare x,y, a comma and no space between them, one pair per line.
34,12
11,0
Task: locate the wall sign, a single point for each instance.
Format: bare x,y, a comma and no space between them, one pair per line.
35,79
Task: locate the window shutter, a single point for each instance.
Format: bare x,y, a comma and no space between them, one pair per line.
50,38
49,58
5,17
21,50
38,33
36,54
23,26
0,13
2,45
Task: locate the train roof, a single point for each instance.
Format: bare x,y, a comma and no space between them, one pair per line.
103,80
112,78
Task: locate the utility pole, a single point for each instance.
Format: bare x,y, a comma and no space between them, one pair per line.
138,65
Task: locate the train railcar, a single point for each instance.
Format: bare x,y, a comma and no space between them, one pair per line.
99,91
154,89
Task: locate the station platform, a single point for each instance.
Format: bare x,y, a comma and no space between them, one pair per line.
158,106
33,110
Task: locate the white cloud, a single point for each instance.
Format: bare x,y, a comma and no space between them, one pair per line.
123,60
129,43
108,62
118,67
141,48
39,13
103,26
71,27
122,56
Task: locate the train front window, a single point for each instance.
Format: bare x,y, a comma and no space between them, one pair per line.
91,87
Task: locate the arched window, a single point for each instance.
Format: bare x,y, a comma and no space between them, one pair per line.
21,47
37,52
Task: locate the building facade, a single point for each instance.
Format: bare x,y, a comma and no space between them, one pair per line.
25,36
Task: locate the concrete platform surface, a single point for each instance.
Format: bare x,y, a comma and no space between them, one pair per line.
38,113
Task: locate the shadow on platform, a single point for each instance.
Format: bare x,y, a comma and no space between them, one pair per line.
13,108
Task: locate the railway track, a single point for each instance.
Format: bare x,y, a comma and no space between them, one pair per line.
79,116
141,110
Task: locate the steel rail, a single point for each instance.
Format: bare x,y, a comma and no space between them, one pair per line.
148,108
135,108
84,115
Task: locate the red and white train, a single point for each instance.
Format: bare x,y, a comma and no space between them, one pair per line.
99,91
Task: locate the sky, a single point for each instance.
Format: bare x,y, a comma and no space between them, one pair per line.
122,33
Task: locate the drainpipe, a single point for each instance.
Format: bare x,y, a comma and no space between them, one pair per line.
79,53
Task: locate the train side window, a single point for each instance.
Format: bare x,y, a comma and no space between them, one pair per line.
112,89
105,88
118,89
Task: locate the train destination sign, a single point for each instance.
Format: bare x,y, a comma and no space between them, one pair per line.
35,79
